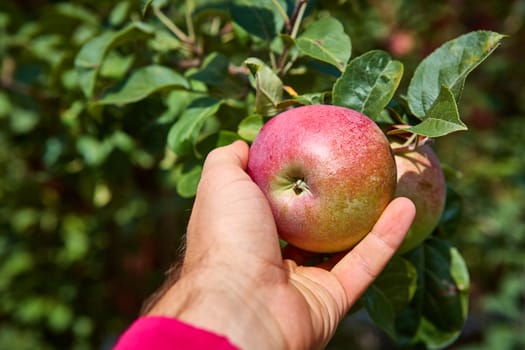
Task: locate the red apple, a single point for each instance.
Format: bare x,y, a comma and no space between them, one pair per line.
328,173
401,43
420,178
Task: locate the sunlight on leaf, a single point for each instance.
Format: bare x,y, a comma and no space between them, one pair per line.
90,57
368,83
269,87
142,83
449,66
325,40
184,133
442,118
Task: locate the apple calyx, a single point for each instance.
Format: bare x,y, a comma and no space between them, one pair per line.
296,183
292,178
300,186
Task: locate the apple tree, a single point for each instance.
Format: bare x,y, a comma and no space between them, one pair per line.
113,108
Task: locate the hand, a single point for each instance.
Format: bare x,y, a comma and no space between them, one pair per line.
235,282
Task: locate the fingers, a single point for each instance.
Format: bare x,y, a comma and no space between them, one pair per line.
359,267
235,154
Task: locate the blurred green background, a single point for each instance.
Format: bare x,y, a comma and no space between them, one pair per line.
89,213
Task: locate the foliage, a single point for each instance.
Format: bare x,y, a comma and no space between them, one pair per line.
107,111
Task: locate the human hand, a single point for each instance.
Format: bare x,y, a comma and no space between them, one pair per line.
234,280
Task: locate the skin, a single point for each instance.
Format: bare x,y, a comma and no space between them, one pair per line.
421,179
328,173
234,279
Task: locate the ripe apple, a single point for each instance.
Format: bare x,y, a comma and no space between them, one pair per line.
401,43
328,173
420,178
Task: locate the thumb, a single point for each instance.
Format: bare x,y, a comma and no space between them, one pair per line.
233,155
357,270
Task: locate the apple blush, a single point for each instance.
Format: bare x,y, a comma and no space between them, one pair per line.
328,173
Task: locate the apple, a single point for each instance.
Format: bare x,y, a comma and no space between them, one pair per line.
401,43
328,173
420,178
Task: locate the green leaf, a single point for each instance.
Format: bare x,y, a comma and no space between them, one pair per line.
32,309
184,134
164,41
116,66
226,137
391,292
368,83
75,239
119,13
250,126
93,151
46,47
77,12
449,66
398,281
312,98
176,102
380,309
23,120
188,182
90,57
5,105
447,285
441,302
442,117
214,69
269,87
434,337
15,264
261,18
60,316
326,40
142,83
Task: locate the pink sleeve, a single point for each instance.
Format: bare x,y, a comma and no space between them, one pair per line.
164,333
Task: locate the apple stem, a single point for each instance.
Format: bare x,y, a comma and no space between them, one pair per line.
413,142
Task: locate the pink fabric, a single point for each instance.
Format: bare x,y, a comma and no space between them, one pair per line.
164,333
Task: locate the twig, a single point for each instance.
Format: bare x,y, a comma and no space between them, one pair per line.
292,26
189,19
171,26
296,10
298,17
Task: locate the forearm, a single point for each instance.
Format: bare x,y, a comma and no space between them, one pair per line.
231,311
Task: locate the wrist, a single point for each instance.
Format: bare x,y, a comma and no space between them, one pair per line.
222,308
